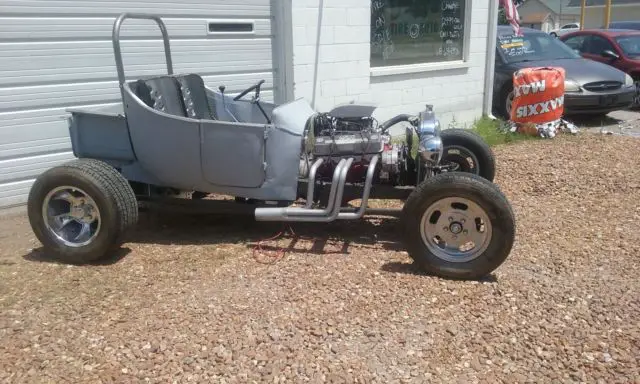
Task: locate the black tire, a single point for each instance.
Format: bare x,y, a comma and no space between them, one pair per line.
502,109
469,152
476,190
112,195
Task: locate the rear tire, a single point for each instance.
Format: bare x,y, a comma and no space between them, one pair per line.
81,211
469,152
451,210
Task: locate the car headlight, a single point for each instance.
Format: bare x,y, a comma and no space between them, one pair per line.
628,80
571,86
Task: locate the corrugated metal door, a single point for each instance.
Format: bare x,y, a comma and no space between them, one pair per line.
55,54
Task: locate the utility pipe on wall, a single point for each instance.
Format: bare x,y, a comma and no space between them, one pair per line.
489,65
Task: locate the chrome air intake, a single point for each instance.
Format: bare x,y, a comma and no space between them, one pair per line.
430,145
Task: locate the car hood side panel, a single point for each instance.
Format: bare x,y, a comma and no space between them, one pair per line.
581,70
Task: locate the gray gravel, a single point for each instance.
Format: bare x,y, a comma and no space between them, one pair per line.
187,302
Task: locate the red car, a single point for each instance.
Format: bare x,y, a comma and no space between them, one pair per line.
619,48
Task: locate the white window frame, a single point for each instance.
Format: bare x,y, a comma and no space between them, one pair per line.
433,66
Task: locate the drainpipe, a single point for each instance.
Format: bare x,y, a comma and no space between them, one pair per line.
582,6
489,65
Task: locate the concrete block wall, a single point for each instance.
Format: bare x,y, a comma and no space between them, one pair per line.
331,65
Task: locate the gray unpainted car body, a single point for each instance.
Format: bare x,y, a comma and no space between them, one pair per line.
250,157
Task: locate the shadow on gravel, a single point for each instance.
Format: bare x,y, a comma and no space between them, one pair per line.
340,237
313,238
413,269
38,255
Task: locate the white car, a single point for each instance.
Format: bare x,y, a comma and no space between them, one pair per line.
565,29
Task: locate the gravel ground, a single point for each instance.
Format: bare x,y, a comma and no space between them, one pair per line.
185,301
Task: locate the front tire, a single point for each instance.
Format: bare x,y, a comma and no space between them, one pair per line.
80,211
459,226
468,152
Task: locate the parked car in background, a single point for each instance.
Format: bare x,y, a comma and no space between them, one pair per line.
624,25
567,28
591,87
619,48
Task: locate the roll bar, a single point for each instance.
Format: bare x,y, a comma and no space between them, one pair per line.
116,41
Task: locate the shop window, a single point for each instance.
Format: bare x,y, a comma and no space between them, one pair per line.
405,32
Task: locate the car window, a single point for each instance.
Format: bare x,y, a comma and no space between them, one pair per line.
597,44
624,25
533,46
576,42
568,26
630,45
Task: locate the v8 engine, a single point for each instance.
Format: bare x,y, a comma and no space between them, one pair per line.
351,131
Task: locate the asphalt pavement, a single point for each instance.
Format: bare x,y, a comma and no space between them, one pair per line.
618,123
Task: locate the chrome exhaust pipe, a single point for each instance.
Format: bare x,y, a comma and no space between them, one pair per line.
365,196
312,181
329,213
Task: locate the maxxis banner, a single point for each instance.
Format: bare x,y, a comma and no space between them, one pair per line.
538,95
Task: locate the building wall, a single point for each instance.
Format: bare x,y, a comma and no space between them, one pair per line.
57,54
532,25
333,66
532,7
548,25
594,16
566,19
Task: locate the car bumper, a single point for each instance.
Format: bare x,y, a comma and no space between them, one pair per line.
598,102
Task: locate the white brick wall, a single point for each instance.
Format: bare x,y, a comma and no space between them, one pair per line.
341,71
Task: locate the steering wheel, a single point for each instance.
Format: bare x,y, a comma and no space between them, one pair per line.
256,87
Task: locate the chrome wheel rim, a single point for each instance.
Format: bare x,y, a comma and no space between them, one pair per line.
462,154
508,104
71,216
636,96
456,229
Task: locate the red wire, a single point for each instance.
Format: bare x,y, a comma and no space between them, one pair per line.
281,251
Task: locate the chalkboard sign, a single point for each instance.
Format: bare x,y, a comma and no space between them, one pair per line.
416,31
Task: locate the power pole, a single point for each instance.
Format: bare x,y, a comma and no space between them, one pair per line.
582,6
607,14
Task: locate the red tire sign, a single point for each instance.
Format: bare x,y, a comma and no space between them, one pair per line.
538,95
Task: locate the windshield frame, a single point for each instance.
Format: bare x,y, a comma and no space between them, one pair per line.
570,53
621,47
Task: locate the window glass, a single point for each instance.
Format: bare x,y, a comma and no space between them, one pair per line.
630,45
533,46
576,42
597,45
416,31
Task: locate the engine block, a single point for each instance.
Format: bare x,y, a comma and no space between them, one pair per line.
346,136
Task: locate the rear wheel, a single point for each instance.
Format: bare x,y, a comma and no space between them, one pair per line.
80,211
459,226
636,96
467,152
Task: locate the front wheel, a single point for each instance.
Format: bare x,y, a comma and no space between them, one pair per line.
81,210
458,225
466,151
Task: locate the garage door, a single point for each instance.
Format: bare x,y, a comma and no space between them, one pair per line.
56,54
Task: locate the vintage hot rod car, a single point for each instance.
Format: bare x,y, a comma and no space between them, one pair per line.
173,141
